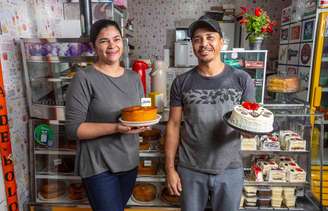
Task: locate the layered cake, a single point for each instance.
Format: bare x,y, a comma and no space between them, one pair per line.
264,192
250,201
144,192
264,202
139,113
296,175
53,189
252,117
242,199
257,173
276,198
248,144
266,166
289,197
276,83
250,191
277,175
295,144
269,143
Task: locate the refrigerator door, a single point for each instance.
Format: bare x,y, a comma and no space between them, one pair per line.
319,88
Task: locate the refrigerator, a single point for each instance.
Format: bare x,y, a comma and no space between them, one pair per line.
319,103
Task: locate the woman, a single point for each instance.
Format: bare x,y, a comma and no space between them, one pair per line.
107,155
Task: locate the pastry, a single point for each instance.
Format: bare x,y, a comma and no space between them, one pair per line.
252,117
296,175
144,192
248,144
269,143
277,175
139,113
264,192
168,198
276,83
53,189
76,191
150,135
147,167
264,202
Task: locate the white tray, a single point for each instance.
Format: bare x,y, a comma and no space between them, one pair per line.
141,124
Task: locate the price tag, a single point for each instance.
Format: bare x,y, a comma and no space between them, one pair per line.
145,101
57,162
147,163
140,139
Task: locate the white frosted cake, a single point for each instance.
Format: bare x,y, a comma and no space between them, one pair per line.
248,144
277,175
252,117
296,175
269,143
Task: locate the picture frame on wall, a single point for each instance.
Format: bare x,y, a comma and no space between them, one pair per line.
305,54
307,30
293,54
286,15
295,32
284,34
283,54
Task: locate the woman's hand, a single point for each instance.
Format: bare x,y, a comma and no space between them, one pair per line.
173,182
130,130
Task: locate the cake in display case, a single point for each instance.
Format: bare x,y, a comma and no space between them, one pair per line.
277,165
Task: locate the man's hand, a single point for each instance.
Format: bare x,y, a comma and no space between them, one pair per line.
130,130
173,182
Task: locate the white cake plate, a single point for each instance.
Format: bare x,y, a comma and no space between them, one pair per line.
141,124
226,119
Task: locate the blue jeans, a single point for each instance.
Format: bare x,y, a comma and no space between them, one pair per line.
224,190
110,191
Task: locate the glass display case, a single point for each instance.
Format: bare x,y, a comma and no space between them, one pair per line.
277,166
49,66
253,62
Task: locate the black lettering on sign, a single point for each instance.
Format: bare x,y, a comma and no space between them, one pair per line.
3,120
9,176
2,93
13,206
10,192
4,137
7,160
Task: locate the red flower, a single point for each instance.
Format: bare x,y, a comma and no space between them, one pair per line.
269,29
258,11
263,29
250,106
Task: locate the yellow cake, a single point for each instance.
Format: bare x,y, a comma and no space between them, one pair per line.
139,113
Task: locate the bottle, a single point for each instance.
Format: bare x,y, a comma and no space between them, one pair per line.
159,79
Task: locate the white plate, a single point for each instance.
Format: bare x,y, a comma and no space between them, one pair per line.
141,124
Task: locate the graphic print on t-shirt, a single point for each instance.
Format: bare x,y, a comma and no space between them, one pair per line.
212,96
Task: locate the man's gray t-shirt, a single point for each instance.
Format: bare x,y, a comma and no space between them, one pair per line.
208,144
96,97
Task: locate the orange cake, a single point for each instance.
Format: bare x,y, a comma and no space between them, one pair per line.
139,113
148,167
144,192
51,190
278,83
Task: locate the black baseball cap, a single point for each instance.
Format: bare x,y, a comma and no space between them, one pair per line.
204,21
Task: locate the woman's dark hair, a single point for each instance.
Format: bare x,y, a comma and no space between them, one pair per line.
98,26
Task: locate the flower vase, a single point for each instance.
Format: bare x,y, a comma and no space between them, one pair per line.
256,43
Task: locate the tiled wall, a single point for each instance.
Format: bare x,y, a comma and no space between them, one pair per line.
22,18
154,22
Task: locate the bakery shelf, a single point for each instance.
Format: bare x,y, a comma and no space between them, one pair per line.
151,153
151,178
271,208
60,59
57,177
54,152
262,152
280,184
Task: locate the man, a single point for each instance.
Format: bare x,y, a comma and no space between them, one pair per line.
209,165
